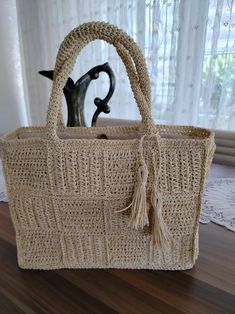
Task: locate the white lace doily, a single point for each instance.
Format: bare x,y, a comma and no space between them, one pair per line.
218,201
3,193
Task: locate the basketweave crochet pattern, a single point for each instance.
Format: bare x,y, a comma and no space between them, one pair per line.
132,201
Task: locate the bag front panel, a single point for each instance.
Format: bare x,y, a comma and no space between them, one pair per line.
182,167
48,250
25,165
77,213
93,169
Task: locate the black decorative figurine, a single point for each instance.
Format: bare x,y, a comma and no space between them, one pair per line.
75,94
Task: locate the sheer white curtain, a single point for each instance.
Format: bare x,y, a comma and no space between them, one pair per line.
12,102
189,47
217,102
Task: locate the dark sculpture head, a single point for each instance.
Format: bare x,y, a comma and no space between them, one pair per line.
75,94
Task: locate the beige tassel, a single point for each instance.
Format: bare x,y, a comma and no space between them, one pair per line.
139,211
161,235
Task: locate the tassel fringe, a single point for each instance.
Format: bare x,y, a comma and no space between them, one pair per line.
161,235
139,210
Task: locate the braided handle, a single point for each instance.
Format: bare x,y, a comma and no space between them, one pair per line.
130,54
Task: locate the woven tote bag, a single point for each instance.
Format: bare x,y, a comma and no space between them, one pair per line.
130,201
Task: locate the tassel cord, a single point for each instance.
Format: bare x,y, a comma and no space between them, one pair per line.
161,236
139,209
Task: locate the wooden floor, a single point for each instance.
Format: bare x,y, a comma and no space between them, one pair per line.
208,288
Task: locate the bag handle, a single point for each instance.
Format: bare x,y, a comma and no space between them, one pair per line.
121,51
130,54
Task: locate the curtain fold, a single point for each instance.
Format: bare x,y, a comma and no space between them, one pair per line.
13,112
217,107
190,60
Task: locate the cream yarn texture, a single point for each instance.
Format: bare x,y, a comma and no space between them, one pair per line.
132,201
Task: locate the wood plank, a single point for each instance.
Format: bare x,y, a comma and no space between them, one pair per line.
216,262
180,290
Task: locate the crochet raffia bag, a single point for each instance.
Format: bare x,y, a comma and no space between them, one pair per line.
130,201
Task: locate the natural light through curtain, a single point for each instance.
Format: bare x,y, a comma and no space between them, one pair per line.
189,48
217,102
